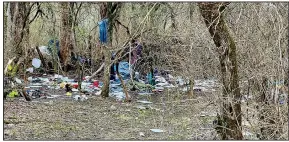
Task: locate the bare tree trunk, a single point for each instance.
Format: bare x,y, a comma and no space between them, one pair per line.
17,29
15,16
191,12
231,118
106,79
107,55
66,42
108,10
5,26
8,46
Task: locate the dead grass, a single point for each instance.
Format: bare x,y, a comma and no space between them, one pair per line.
95,119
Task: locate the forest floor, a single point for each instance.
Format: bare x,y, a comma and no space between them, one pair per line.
62,118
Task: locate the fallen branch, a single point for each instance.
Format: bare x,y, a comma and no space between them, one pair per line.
25,95
41,57
95,73
127,97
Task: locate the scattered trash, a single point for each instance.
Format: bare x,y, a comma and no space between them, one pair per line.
141,107
118,95
30,79
159,89
36,62
58,76
74,90
13,94
141,134
144,102
160,79
170,77
155,82
83,97
98,93
36,80
53,96
76,97
180,81
80,97
157,130
75,85
18,80
96,83
68,94
62,85
35,93
30,70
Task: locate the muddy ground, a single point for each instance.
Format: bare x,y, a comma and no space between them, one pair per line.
179,116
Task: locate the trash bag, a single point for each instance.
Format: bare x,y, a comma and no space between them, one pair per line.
103,30
123,69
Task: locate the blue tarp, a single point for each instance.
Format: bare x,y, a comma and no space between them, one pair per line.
103,30
123,69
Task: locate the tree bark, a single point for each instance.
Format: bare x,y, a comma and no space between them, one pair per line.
17,27
108,10
65,33
107,56
231,118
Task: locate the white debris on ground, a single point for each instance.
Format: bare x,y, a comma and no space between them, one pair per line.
57,81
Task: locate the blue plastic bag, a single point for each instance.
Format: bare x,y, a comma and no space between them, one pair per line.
103,30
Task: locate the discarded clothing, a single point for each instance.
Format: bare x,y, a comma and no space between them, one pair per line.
103,30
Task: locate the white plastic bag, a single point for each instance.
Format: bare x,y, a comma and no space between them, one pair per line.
36,63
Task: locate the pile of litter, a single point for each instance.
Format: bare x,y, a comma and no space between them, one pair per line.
40,87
